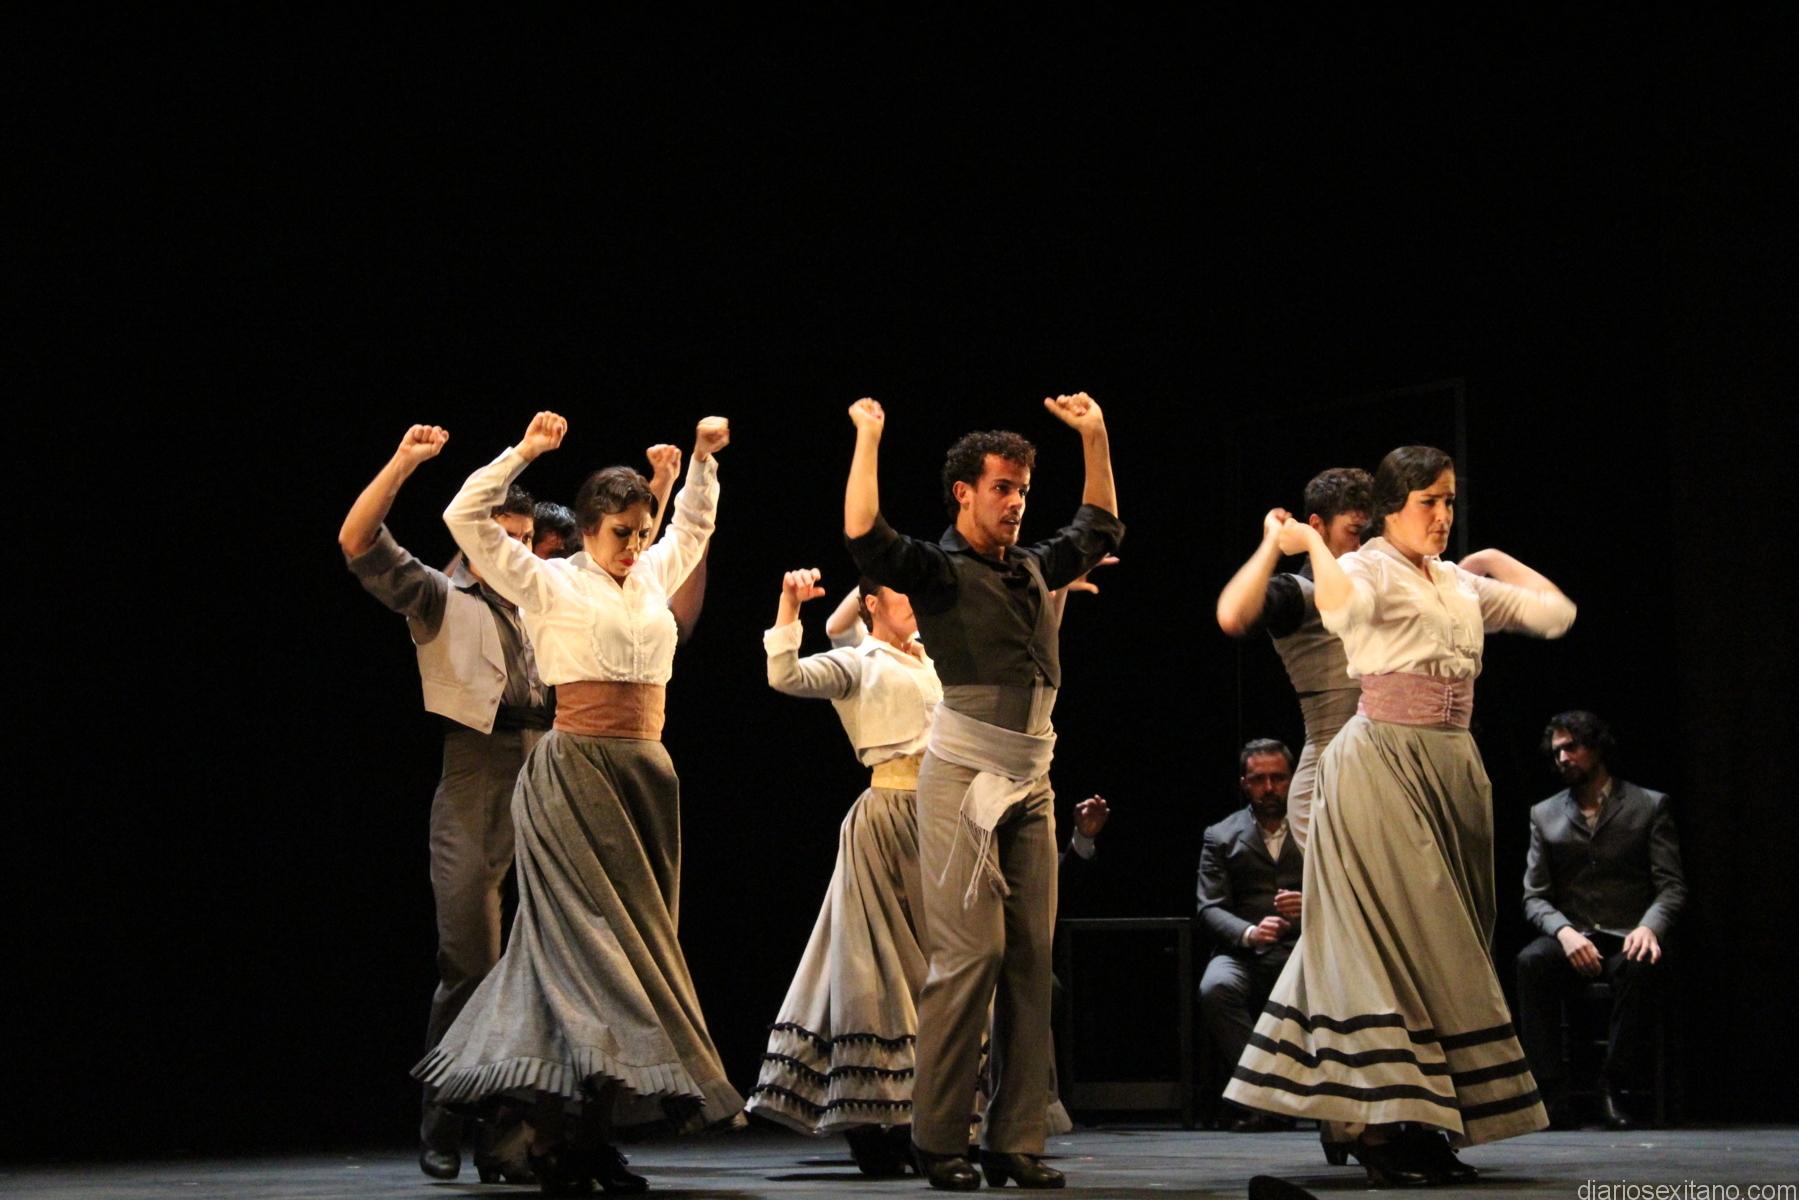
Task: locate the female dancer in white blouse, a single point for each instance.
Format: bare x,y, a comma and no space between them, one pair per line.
840,1054
590,1016
1388,1022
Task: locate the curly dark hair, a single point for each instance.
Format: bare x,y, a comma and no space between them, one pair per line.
1404,471
1262,746
611,490
1589,729
551,517
1339,490
518,503
968,458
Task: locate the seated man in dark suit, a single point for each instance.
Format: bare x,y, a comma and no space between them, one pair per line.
1249,878
1603,886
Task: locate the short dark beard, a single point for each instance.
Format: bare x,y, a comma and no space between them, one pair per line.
1271,808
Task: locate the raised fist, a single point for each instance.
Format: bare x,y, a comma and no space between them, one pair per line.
801,586
1271,524
1079,411
1295,537
422,442
544,434
665,463
867,416
710,436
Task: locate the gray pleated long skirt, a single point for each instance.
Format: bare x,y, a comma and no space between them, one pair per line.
840,1053
593,988
1389,1009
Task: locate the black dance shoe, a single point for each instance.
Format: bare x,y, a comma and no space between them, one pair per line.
1430,1149
440,1163
946,1172
561,1171
606,1167
1335,1153
1389,1164
1026,1170
1613,1113
874,1152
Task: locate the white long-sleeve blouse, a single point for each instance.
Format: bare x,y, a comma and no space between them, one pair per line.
1397,620
884,696
584,624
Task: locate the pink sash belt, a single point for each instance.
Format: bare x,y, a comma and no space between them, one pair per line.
1405,699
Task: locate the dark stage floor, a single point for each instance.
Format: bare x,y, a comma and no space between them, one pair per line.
1113,1162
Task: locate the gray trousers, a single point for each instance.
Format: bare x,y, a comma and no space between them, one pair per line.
993,951
471,851
1231,995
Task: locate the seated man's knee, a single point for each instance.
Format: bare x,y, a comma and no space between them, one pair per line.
1222,987
1542,959
1640,973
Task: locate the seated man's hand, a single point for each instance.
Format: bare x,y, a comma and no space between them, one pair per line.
1266,933
1583,956
1287,904
1091,815
1641,945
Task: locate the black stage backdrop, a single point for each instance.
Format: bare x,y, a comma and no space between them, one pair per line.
263,250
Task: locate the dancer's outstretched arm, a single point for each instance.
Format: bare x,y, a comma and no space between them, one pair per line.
421,444
832,675
506,565
1240,603
862,497
389,573
1523,601
690,597
1081,413
673,558
665,468
1093,535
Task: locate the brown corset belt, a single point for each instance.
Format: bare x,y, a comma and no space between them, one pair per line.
608,708
1405,699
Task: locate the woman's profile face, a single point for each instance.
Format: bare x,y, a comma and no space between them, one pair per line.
620,538
1421,528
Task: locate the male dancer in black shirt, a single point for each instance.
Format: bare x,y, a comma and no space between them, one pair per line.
985,820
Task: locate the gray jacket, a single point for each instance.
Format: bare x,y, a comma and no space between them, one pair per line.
1237,880
1623,874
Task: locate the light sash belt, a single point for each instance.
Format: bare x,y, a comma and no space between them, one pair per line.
898,774
611,708
1405,699
1008,763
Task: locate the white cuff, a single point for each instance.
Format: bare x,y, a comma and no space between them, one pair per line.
783,639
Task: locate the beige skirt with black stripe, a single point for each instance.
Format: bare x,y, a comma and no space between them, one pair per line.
1389,1009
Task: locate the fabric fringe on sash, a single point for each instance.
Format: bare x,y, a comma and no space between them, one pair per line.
1008,762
